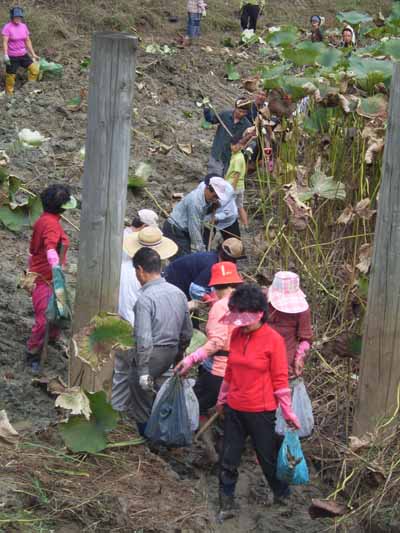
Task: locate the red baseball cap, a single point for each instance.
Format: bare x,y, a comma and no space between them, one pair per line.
224,273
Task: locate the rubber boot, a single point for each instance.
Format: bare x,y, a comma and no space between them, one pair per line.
227,508
10,83
33,72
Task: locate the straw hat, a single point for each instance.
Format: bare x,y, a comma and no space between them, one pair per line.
224,273
233,247
149,237
285,294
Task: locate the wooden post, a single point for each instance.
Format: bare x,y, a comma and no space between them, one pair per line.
380,359
105,178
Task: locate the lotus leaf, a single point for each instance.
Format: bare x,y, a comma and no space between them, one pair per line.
284,37
305,53
368,72
373,107
81,435
105,333
232,73
329,57
353,17
324,187
391,48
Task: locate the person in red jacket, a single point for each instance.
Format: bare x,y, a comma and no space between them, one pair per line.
255,383
48,249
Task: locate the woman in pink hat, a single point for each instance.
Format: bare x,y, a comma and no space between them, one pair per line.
213,355
289,315
255,383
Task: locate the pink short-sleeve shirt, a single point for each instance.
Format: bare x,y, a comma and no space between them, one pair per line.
17,35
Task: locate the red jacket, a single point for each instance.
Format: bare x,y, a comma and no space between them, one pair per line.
47,234
257,366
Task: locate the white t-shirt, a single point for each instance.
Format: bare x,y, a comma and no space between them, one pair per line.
129,286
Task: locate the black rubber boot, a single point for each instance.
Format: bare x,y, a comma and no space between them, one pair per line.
227,508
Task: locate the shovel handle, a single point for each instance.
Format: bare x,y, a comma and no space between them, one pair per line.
209,423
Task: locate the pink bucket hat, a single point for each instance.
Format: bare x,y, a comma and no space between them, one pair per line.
235,318
285,294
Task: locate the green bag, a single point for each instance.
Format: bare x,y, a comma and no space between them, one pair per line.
49,70
59,308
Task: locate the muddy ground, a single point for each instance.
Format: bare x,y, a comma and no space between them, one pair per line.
165,114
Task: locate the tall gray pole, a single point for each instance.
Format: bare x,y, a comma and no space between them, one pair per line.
380,358
108,139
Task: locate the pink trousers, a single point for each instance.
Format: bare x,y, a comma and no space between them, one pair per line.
40,299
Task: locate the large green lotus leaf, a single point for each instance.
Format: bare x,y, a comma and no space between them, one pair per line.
370,50
326,187
232,73
81,435
272,77
284,37
383,31
105,333
296,87
35,209
13,219
353,17
198,340
391,48
368,72
394,18
373,106
329,58
304,53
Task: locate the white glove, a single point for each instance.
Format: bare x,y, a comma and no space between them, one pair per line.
146,382
6,59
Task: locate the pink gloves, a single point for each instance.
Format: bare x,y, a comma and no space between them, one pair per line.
284,398
223,394
52,258
302,348
186,364
299,357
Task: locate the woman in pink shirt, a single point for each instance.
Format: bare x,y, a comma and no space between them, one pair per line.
18,50
213,355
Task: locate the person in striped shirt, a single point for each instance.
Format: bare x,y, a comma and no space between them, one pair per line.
196,10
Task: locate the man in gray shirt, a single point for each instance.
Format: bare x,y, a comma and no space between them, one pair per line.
162,332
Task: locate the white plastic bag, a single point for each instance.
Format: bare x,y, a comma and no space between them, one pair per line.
192,404
301,405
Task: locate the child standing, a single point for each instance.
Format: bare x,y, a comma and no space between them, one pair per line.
196,9
236,177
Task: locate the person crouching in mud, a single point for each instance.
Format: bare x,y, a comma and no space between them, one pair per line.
255,383
213,355
18,49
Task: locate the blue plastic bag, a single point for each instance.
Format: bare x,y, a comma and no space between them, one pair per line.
169,422
59,308
292,466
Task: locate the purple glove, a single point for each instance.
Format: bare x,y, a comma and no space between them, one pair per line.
223,394
186,364
52,258
284,398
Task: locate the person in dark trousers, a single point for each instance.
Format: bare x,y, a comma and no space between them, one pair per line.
18,49
231,124
162,333
249,13
213,355
255,383
192,273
